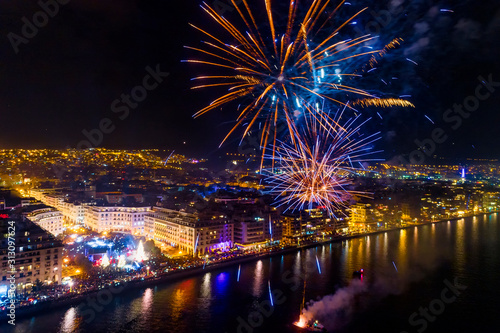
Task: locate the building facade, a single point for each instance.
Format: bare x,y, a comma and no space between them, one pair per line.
187,232
116,219
73,212
293,225
46,217
38,255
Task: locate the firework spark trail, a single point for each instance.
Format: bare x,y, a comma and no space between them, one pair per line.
375,58
314,170
383,102
283,76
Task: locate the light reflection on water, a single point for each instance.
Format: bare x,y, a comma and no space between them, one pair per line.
70,322
206,289
258,282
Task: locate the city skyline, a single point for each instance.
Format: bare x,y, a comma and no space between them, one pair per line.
249,166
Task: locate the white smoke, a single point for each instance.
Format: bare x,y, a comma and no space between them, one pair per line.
337,308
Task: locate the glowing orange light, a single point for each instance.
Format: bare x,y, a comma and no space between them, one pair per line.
302,322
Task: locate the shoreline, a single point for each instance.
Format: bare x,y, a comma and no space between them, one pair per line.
80,299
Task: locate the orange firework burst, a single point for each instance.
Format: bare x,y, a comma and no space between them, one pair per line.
314,167
285,74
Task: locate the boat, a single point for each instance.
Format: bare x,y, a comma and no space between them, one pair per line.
313,326
304,325
358,274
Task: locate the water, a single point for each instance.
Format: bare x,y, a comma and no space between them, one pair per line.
425,257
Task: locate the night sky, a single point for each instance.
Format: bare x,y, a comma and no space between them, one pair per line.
65,79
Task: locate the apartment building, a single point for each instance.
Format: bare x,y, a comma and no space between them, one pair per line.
46,217
116,219
188,232
38,255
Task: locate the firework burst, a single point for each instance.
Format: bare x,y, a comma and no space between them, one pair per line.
282,75
313,168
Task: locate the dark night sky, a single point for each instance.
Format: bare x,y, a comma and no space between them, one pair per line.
65,79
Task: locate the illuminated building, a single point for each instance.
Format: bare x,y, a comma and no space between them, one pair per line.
254,231
48,197
360,213
187,232
249,232
311,222
46,217
116,219
38,255
362,217
73,212
292,225
53,200
491,201
406,213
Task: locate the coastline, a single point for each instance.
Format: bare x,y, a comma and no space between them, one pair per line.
80,299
